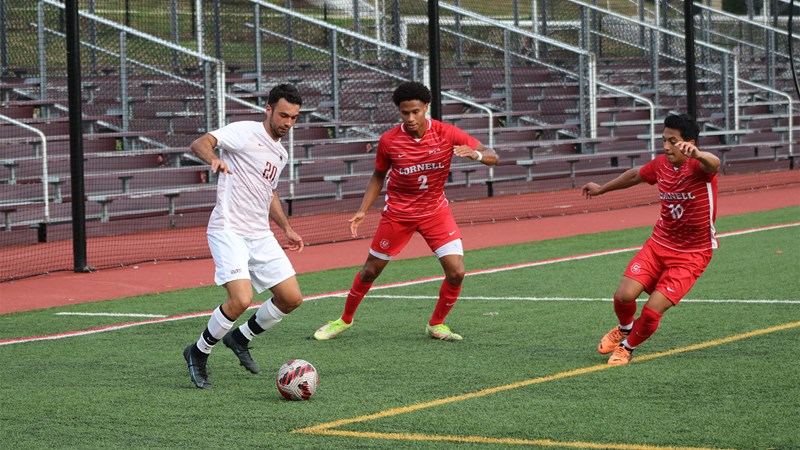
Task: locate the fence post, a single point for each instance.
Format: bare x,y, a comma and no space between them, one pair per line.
73,50
507,75
543,51
198,10
515,8
123,84
396,22
217,30
208,95
289,33
640,9
257,37
582,115
655,45
335,78
173,27
357,29
42,60
3,38
459,44
92,39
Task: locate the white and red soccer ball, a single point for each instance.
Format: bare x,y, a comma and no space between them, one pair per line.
297,380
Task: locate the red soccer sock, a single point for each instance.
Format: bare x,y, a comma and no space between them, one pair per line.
357,292
624,311
448,294
644,327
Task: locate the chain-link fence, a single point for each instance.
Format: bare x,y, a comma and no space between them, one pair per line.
566,92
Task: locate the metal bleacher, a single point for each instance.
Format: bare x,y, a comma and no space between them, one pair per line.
558,113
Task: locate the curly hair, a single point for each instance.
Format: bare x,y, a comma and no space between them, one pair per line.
411,90
286,91
685,124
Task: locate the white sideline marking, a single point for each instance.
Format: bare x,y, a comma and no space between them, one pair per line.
580,299
107,314
339,293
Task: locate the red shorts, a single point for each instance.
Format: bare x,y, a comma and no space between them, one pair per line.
667,271
392,235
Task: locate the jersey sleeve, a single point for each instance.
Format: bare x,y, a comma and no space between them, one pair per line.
648,172
460,137
232,137
382,161
697,171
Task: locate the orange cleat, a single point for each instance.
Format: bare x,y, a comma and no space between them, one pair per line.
621,356
611,340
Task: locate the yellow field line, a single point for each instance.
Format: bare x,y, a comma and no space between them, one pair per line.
490,440
326,428
457,398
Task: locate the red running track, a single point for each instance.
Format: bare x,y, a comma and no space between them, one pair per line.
66,288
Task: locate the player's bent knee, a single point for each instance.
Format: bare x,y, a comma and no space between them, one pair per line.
370,273
625,297
235,306
289,303
455,277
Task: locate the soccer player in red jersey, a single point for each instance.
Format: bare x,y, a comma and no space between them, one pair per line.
415,156
683,239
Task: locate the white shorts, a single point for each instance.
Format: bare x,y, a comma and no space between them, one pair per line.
261,260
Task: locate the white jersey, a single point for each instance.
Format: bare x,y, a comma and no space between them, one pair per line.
244,196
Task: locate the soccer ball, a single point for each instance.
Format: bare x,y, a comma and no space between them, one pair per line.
297,380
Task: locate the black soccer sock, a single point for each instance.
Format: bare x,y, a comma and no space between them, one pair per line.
252,328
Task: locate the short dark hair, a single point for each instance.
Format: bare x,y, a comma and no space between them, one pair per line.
411,90
685,124
286,91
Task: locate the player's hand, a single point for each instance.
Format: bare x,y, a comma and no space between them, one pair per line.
355,221
295,241
591,190
688,149
218,165
465,151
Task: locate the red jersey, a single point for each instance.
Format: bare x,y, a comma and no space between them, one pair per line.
688,204
418,169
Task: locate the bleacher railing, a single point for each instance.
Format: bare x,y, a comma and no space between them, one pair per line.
576,64
616,36
503,42
346,78
134,56
342,74
45,177
763,48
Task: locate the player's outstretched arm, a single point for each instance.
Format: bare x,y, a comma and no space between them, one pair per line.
280,219
708,161
628,178
374,187
484,155
203,147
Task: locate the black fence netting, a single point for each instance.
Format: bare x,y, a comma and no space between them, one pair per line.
565,92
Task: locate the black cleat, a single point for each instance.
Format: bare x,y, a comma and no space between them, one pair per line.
241,352
197,367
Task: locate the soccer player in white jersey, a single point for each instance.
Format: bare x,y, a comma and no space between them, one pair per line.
245,251
683,239
415,156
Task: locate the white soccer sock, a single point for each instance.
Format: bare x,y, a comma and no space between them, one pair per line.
628,346
217,326
266,317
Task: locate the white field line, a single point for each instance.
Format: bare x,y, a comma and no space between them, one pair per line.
374,288
108,314
579,299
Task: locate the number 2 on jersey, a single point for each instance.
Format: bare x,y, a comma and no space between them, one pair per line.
423,182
